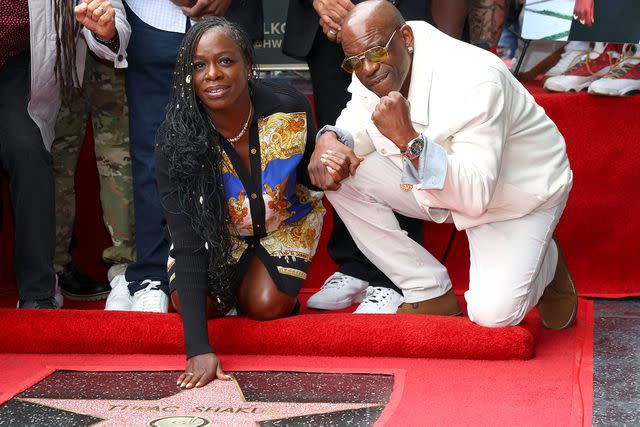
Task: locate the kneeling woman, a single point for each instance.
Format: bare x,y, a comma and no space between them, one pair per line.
231,165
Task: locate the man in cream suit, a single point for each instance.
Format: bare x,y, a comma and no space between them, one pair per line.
442,131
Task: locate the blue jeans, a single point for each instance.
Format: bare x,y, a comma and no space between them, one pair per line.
151,56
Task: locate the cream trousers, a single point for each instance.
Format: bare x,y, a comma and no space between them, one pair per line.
511,261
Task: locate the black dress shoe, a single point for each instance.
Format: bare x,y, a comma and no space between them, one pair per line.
78,285
46,303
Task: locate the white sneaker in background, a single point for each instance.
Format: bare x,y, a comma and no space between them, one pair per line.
338,291
573,51
150,298
380,300
119,298
624,78
116,270
591,66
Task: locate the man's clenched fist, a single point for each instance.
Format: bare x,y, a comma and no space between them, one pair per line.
393,119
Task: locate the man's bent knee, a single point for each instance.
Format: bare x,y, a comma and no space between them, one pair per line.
495,311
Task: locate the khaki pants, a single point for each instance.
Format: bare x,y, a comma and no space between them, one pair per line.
511,261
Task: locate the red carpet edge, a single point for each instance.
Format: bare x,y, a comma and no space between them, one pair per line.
582,401
335,334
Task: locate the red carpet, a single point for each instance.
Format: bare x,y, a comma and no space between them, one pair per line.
552,389
600,228
331,334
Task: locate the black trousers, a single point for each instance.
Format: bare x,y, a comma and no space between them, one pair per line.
28,165
330,96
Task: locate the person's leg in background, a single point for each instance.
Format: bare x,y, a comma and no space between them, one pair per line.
449,16
28,165
151,57
355,272
508,42
65,151
110,116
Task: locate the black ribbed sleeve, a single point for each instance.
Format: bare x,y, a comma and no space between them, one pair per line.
190,265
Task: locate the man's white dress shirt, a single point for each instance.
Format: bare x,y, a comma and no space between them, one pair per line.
161,14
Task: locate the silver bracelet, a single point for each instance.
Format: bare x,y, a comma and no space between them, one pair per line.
111,42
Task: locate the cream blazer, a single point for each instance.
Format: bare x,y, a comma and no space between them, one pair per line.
505,157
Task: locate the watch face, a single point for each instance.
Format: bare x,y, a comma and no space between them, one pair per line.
417,146
414,149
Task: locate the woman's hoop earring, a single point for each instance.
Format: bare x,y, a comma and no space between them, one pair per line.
410,49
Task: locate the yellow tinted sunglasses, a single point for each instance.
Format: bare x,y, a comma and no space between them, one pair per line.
376,54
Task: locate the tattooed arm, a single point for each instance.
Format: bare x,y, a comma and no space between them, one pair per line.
486,19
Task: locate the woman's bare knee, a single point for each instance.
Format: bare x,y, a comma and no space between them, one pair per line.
259,297
267,305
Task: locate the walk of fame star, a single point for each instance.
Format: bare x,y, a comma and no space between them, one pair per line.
220,403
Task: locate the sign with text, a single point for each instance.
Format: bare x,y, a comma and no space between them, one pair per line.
269,55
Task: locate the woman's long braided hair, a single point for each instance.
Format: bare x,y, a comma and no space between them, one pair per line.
193,149
67,29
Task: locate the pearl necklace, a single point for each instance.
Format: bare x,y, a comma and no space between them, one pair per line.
244,128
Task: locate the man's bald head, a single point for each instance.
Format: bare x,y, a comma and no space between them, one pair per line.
380,13
377,23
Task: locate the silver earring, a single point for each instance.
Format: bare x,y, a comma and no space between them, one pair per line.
410,49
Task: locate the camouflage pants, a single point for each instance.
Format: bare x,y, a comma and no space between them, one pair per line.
103,97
